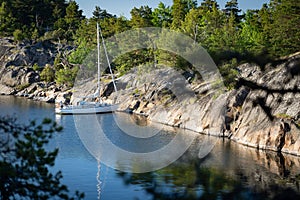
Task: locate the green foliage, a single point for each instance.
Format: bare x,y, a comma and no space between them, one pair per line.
65,72
132,59
36,17
22,86
66,76
283,116
18,35
207,5
193,23
231,8
72,19
48,74
57,62
161,16
53,35
252,38
67,25
25,162
141,17
229,73
7,21
99,13
226,34
35,34
178,13
285,28
81,52
36,67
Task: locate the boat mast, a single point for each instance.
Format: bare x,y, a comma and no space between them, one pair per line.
98,62
109,66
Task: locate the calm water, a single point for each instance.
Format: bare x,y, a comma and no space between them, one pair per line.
229,171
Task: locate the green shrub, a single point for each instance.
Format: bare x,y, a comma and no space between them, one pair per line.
36,67
23,86
18,35
79,55
229,73
48,74
66,76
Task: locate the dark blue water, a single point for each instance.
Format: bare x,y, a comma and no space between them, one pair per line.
228,171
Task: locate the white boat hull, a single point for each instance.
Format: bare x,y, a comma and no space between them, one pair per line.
77,110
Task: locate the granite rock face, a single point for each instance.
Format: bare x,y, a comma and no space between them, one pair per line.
262,112
269,117
28,53
17,74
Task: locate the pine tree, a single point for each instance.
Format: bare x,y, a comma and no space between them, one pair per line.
141,17
193,24
252,38
99,13
231,8
178,13
58,9
72,19
285,34
7,21
161,16
207,5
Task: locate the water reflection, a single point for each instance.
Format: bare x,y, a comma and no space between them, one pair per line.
25,110
219,170
104,139
99,183
230,171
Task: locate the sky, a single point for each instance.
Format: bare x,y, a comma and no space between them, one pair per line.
123,7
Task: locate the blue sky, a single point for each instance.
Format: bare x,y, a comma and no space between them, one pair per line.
123,7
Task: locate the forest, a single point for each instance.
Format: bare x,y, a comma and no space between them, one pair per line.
229,35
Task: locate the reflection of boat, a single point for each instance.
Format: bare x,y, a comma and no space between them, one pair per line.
84,107
98,179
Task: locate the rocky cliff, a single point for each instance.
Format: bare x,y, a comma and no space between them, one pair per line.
262,112
269,115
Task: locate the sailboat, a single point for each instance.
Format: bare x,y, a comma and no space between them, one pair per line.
84,107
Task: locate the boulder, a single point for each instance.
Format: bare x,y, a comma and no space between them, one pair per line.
17,76
6,90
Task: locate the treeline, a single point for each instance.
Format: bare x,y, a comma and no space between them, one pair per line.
31,19
229,35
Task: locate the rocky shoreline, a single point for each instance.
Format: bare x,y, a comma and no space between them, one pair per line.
262,112
18,76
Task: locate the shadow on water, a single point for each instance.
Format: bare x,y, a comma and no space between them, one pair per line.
230,171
